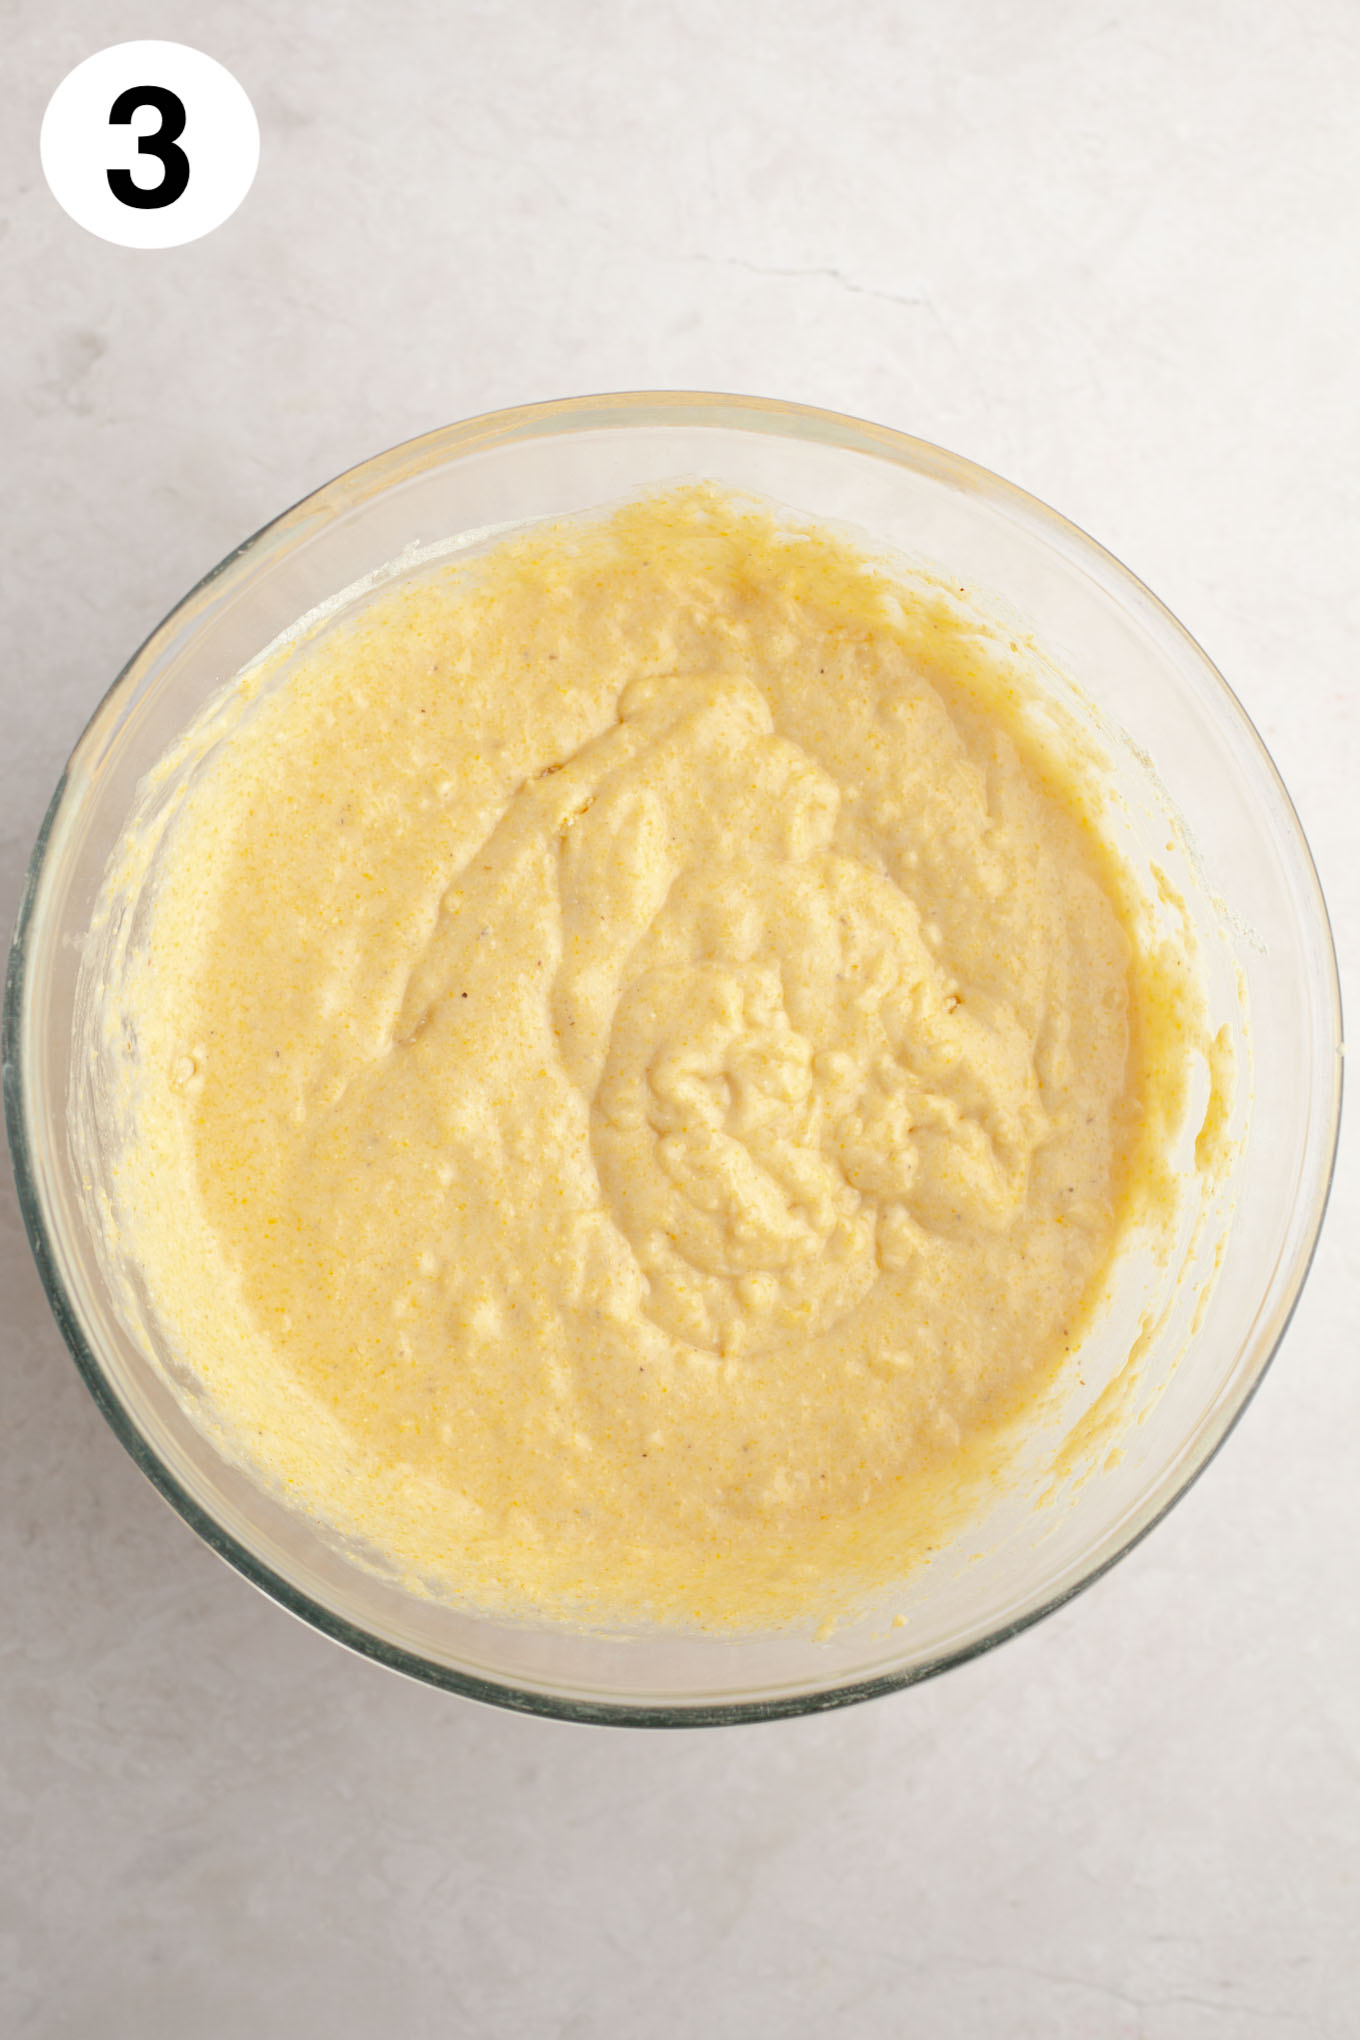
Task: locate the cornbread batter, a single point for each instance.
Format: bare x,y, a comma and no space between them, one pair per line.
637,1062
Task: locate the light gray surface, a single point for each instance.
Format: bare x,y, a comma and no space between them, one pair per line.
1108,252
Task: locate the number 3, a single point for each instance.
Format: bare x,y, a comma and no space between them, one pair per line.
162,143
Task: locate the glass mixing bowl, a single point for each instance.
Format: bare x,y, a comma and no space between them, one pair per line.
1198,797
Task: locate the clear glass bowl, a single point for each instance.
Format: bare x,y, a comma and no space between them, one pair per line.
1200,798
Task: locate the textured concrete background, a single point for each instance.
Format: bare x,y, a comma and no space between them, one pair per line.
1109,251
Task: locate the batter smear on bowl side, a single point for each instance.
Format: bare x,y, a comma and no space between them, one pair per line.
635,1066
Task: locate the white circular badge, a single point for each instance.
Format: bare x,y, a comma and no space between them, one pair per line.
149,144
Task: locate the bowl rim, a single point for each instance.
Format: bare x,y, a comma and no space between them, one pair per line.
620,411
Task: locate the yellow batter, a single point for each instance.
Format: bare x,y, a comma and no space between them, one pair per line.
638,1061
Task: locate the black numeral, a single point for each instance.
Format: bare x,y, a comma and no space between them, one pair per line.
162,143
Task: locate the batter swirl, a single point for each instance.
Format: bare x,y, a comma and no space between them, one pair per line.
638,1067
